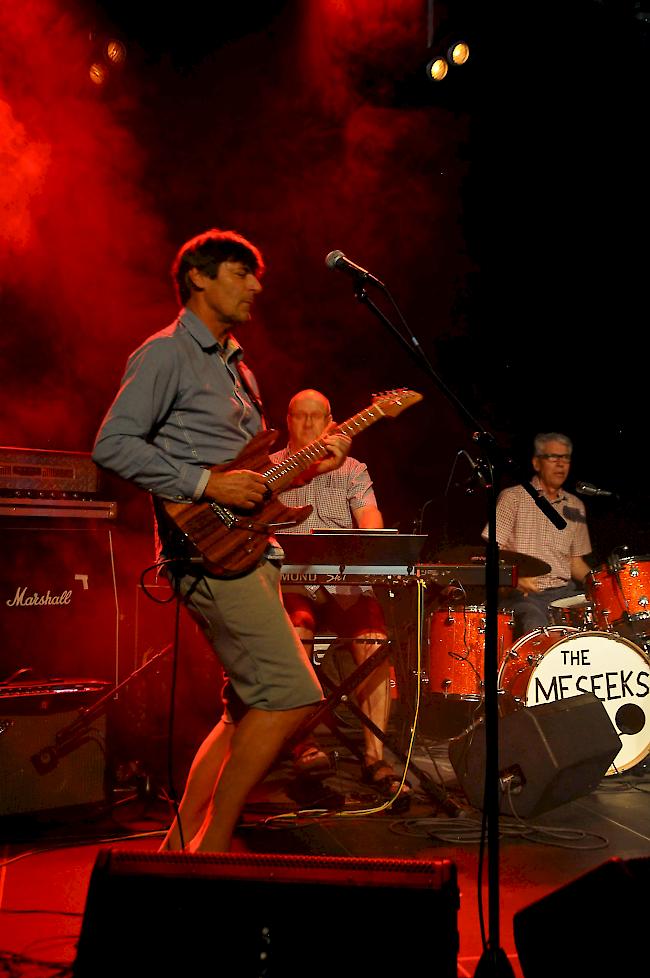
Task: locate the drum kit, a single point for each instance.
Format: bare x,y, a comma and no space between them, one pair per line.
597,642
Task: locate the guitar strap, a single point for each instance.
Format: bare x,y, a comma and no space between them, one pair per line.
250,386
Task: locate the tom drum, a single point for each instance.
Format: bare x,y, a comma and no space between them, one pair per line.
457,649
620,592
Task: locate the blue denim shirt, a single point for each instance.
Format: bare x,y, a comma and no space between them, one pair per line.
181,408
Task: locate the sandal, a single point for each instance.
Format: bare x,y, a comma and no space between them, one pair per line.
386,784
308,758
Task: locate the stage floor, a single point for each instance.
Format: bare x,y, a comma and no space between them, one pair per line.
46,863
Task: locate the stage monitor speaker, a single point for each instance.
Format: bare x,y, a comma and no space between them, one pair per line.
42,769
548,755
594,925
247,915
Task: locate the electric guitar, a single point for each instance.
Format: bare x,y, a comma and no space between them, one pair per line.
230,541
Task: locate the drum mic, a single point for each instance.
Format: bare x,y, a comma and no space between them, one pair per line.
587,489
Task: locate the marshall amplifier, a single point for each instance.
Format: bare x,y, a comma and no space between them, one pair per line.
30,471
59,605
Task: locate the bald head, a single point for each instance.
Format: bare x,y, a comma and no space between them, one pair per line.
308,415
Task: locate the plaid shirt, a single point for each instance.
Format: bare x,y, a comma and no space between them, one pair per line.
523,527
334,496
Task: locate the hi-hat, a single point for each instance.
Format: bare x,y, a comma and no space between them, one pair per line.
526,565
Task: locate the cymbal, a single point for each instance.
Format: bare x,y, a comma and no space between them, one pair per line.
526,565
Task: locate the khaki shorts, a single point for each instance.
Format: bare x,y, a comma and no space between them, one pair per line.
246,624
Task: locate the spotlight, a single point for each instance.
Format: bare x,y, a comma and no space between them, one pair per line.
106,58
115,52
458,53
98,74
437,69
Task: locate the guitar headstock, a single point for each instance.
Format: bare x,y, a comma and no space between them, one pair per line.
392,403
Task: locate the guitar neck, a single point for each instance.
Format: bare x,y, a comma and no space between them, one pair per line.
283,474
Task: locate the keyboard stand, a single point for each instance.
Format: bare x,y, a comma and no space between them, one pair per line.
324,713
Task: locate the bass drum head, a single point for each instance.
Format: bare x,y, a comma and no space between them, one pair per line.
613,669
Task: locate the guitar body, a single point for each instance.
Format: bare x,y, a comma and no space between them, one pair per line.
232,541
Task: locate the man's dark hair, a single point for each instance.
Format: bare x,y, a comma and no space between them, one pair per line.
206,252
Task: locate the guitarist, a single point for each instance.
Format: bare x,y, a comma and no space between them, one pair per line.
187,403
341,499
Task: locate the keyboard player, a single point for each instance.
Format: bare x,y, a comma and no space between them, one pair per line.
343,499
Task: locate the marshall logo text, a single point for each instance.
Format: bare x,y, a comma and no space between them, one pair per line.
23,600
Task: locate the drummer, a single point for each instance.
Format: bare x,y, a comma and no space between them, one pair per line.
523,527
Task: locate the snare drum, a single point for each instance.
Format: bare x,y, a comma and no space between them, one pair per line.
545,666
575,612
620,591
457,649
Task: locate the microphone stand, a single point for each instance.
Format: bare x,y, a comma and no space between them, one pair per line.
493,961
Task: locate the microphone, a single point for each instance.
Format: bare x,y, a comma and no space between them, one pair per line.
587,489
479,471
338,261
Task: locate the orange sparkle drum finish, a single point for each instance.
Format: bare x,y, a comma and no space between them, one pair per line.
557,663
519,661
457,649
620,592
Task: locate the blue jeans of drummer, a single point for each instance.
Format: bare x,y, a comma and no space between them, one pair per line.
531,611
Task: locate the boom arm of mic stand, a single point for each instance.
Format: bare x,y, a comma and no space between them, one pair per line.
417,353
70,737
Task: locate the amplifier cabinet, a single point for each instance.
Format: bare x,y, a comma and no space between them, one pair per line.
42,769
43,470
59,607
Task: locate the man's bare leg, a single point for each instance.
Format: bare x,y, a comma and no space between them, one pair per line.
373,695
255,744
204,774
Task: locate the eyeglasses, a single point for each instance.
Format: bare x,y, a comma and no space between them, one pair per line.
553,457
311,415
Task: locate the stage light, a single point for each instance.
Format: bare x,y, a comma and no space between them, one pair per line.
458,53
106,59
98,74
437,69
115,52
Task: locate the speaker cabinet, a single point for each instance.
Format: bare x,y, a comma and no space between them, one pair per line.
246,915
49,758
594,925
59,608
548,755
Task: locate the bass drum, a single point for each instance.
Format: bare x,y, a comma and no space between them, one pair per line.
538,670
